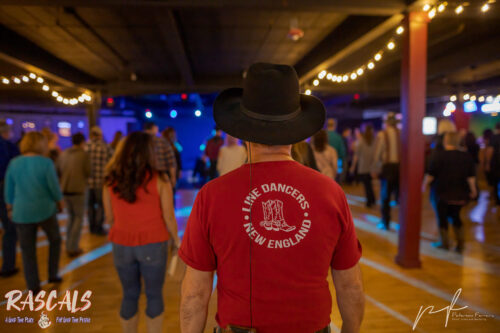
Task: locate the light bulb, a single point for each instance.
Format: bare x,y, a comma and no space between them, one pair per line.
360,71
329,76
39,80
378,56
5,81
453,98
400,30
353,76
334,77
432,13
322,74
489,99
345,78
441,7
481,99
371,65
426,7
473,98
459,9
485,8
308,92
33,76
59,98
16,80
25,78
315,83
65,101
45,87
81,99
391,45
466,97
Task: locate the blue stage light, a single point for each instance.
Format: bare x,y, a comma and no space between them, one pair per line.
197,113
173,113
470,106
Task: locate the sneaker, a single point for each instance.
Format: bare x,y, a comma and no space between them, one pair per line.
9,273
382,226
56,279
76,253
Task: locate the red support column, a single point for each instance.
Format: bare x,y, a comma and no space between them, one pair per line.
461,118
413,95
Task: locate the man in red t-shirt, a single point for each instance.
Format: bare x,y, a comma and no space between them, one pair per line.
273,228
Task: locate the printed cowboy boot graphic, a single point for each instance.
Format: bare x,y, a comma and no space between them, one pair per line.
278,210
268,215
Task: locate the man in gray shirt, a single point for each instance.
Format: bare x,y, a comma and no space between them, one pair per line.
74,168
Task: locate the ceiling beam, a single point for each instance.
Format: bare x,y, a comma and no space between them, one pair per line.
19,52
353,47
353,7
174,43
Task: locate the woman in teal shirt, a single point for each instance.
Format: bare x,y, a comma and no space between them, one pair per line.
33,195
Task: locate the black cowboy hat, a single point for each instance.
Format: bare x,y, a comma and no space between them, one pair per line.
269,109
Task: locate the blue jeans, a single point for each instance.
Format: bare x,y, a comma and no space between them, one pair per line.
27,239
146,261
9,238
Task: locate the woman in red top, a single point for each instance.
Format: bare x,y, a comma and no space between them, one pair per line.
138,206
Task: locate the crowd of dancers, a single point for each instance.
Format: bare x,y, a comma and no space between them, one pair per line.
139,173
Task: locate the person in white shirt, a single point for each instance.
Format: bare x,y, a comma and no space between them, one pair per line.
325,155
387,154
231,156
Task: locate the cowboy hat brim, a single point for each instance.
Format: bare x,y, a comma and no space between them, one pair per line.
229,118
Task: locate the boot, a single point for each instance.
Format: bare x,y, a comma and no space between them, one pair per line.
460,235
443,240
154,325
130,325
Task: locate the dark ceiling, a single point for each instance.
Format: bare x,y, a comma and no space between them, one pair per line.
205,46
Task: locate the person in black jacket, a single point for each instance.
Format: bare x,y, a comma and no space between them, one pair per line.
453,172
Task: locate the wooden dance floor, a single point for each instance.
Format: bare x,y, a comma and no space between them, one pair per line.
394,295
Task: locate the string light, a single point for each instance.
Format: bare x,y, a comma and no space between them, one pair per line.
308,92
473,98
453,98
432,10
481,99
45,87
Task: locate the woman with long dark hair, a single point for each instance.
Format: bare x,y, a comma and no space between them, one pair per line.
363,159
138,205
326,156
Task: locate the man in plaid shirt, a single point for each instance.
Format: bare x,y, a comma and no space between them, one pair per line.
165,156
99,153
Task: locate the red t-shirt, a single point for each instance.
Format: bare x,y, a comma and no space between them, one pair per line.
302,227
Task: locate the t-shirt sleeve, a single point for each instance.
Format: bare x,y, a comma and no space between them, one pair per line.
348,249
196,250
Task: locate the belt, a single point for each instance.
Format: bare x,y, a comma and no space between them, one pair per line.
234,329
